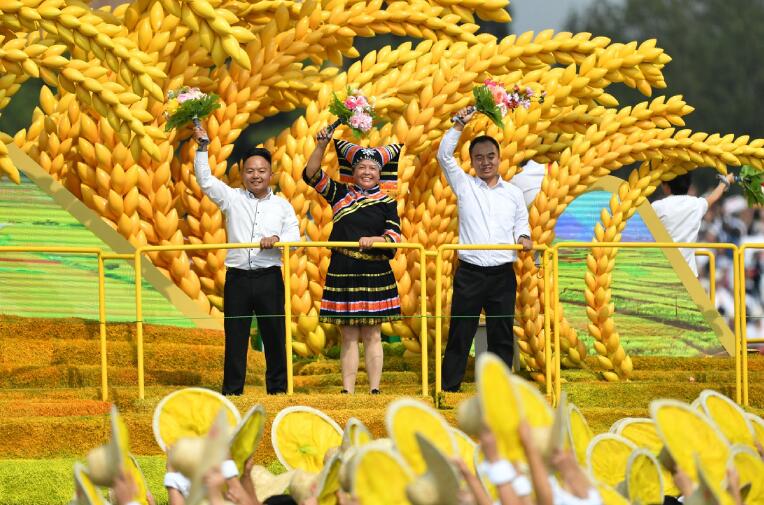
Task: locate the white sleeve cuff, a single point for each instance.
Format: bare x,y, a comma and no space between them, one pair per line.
229,470
501,472
522,486
176,480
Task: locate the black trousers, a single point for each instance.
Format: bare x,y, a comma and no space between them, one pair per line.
477,288
262,292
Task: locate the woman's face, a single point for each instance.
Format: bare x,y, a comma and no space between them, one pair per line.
366,174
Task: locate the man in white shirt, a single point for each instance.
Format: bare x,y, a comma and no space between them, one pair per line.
682,214
491,211
253,282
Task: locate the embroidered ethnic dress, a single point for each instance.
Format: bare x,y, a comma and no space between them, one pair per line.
360,286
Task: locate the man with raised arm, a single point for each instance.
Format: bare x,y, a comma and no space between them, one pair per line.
253,281
491,211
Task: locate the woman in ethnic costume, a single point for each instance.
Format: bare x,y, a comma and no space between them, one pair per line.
360,291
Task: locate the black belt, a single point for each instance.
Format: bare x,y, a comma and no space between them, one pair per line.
255,272
498,269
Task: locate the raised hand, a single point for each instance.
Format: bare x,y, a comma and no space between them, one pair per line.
324,136
463,117
200,137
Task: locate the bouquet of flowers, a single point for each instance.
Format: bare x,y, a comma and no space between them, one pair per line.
493,100
355,110
752,182
187,105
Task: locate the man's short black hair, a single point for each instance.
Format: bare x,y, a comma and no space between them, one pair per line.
680,185
258,151
482,140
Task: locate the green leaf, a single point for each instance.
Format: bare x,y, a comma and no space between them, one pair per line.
484,103
190,109
751,180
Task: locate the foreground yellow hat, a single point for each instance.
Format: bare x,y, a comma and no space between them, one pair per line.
189,412
247,436
355,434
579,432
644,478
106,462
757,424
440,483
685,433
267,484
329,481
213,452
501,409
607,457
750,470
86,493
380,476
643,432
405,418
709,490
610,496
465,448
301,436
728,417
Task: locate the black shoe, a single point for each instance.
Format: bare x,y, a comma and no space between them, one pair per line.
345,392
452,390
376,392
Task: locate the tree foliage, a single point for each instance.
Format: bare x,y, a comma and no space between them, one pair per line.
715,46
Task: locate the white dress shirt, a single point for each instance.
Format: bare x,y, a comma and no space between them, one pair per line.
529,180
682,215
248,218
487,215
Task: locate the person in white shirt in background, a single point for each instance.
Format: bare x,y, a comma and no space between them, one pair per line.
529,180
491,211
253,284
682,214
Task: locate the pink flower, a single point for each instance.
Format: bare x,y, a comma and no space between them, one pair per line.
191,94
360,102
351,102
361,121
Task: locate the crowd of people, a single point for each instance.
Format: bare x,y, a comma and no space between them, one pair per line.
711,459
732,221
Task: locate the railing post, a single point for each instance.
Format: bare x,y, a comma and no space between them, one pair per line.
288,318
743,326
547,265
556,329
102,328
423,339
139,319
438,318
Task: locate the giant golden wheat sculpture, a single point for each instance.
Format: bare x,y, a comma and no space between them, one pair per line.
100,133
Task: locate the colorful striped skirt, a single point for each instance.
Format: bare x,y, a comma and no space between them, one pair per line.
360,290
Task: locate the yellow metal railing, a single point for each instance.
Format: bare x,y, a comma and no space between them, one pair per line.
286,248
743,316
711,274
101,296
439,301
739,378
550,268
